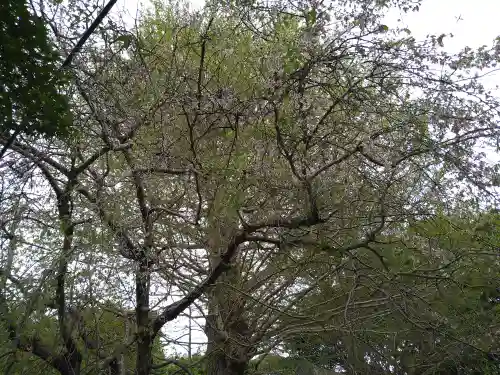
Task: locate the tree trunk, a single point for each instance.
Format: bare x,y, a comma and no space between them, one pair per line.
229,349
144,334
224,356
223,365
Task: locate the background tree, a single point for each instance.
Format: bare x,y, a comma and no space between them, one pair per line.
447,322
31,100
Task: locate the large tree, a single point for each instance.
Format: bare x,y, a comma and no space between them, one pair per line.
233,160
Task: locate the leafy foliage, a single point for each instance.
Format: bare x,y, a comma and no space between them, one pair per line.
31,100
296,173
447,321
183,366
99,329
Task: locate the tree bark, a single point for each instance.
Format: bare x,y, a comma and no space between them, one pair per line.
229,349
144,333
224,356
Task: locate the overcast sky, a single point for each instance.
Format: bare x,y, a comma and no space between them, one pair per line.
473,23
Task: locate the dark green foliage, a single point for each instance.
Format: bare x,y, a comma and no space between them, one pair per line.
193,365
277,365
31,101
98,326
451,327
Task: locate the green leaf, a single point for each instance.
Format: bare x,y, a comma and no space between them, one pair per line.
125,39
311,17
383,28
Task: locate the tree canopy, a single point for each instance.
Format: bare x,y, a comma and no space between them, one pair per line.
295,174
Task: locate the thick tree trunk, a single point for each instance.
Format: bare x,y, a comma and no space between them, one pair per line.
144,335
223,365
229,349
224,356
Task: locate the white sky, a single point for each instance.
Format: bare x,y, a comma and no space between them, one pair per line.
473,23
